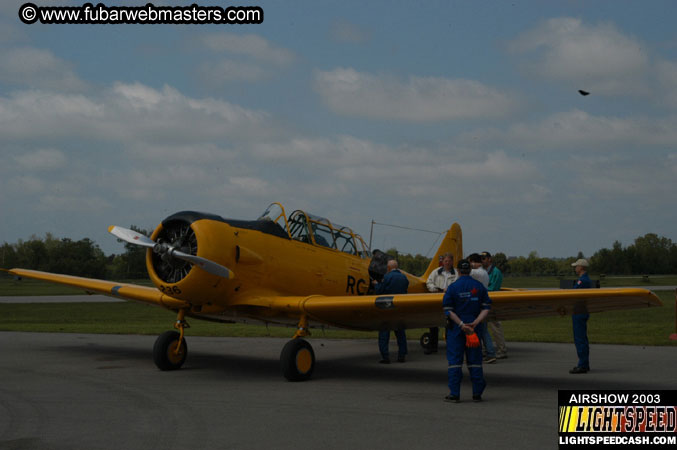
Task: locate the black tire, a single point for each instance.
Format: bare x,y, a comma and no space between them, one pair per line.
164,348
425,341
298,360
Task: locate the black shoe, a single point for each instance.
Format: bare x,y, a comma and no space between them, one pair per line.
400,359
385,361
476,398
578,369
452,399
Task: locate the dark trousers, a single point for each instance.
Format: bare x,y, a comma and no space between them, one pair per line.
580,323
434,338
455,350
384,338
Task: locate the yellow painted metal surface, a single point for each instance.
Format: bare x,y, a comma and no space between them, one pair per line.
110,288
304,360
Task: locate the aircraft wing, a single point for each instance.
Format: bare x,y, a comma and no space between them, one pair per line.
372,312
111,288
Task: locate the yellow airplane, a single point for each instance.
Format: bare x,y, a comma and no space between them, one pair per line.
300,270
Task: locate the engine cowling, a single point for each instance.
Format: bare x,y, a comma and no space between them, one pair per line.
196,235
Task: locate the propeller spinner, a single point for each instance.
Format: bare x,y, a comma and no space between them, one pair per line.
166,251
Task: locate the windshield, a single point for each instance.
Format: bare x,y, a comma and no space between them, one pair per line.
275,213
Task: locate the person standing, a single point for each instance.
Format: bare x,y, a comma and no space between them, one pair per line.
493,325
466,303
482,276
438,281
394,282
478,271
580,318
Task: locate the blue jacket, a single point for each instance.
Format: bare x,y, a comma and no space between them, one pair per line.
583,282
394,282
466,297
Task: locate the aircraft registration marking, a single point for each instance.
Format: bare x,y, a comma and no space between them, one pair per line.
169,289
356,286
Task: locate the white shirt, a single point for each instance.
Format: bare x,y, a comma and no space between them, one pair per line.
480,275
440,279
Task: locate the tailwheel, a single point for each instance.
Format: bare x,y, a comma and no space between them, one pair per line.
170,351
298,360
425,341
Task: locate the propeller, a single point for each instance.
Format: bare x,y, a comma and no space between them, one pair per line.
166,251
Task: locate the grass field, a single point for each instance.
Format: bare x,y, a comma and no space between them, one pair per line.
607,281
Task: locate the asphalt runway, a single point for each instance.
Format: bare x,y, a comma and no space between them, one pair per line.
76,391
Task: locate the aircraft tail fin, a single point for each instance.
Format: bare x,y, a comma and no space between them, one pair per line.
452,243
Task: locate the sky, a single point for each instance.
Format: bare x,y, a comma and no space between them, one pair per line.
417,114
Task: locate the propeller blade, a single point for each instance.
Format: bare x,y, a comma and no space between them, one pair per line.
204,264
131,236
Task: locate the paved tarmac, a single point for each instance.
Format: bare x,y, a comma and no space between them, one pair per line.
77,391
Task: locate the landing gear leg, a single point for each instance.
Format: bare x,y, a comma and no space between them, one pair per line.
170,349
297,357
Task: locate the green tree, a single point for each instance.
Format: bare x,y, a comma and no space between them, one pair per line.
414,264
8,258
501,261
652,254
132,263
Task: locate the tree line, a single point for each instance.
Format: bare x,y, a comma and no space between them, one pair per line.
82,258
648,254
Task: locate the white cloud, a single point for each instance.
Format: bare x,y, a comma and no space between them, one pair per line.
420,99
252,59
38,69
580,131
357,167
620,177
248,45
666,73
127,113
220,72
250,185
42,159
597,58
199,153
351,33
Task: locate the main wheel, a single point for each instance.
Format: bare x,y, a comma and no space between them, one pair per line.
298,360
425,341
164,351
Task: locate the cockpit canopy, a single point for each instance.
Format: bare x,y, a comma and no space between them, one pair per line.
316,230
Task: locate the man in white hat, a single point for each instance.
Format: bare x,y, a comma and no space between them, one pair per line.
580,318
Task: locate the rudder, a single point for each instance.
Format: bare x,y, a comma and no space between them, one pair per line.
452,243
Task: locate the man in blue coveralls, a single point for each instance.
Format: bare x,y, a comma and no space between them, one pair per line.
466,304
394,282
580,318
